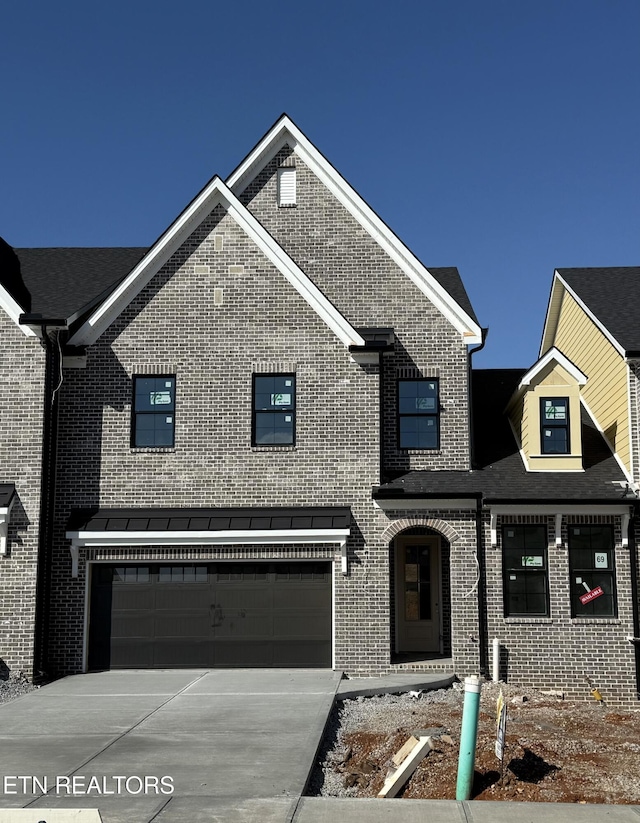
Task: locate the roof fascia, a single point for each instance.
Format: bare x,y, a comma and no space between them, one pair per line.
14,310
605,331
559,507
215,192
285,132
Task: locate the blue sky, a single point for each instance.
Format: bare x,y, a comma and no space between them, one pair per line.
499,136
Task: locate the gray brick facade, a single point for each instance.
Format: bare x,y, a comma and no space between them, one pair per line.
21,402
220,311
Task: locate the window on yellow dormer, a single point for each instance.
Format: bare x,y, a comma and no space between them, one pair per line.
554,425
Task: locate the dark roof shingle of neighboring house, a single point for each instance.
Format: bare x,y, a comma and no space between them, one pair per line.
450,280
612,294
64,281
500,474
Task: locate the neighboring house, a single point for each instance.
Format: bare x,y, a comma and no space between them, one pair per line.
252,445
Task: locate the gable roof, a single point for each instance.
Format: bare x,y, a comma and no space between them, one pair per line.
499,475
215,193
454,306
561,359
609,296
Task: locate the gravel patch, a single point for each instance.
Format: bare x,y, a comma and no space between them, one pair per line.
15,686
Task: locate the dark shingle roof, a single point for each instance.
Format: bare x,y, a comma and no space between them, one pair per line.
450,280
64,281
7,491
612,295
244,519
500,474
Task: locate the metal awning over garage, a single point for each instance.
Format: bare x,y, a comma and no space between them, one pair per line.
144,527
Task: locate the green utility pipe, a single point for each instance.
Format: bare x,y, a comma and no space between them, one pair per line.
468,737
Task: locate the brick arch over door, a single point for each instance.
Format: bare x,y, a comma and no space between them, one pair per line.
404,523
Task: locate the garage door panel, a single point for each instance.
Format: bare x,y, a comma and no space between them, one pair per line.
175,598
303,654
297,625
133,597
234,596
243,654
297,597
181,625
184,651
216,614
250,624
133,623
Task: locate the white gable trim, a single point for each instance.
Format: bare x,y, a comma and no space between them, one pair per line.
561,360
214,193
285,132
14,310
551,321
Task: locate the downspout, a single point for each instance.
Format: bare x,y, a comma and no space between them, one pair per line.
482,600
633,560
381,415
52,383
485,333
483,637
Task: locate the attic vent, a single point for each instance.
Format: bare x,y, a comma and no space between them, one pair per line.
217,297
236,269
218,241
287,186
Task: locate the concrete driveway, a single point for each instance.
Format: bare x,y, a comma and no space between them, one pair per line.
230,745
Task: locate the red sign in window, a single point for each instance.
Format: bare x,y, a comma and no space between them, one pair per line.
589,596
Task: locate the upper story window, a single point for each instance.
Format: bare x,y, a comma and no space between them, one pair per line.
287,186
592,570
525,570
274,409
418,414
554,425
154,405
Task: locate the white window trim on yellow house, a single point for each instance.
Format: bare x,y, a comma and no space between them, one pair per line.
524,412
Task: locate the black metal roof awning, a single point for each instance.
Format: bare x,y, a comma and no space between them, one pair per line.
209,520
89,528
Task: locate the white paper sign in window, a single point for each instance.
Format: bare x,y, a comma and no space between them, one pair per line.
159,398
601,561
280,399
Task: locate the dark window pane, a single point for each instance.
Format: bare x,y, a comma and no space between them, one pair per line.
524,558
274,401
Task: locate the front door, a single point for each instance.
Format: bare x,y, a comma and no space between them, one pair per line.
418,594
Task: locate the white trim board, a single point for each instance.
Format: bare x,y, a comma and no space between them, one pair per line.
216,192
14,310
285,132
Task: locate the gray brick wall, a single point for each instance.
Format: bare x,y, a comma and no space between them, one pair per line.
371,290
21,415
176,326
557,652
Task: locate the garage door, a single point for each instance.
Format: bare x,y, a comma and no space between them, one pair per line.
210,615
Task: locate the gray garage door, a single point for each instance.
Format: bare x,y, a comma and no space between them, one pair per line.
210,615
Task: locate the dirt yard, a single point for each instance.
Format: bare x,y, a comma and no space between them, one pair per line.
555,751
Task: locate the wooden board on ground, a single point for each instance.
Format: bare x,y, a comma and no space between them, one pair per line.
397,777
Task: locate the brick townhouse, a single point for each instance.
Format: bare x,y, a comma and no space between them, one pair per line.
260,442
